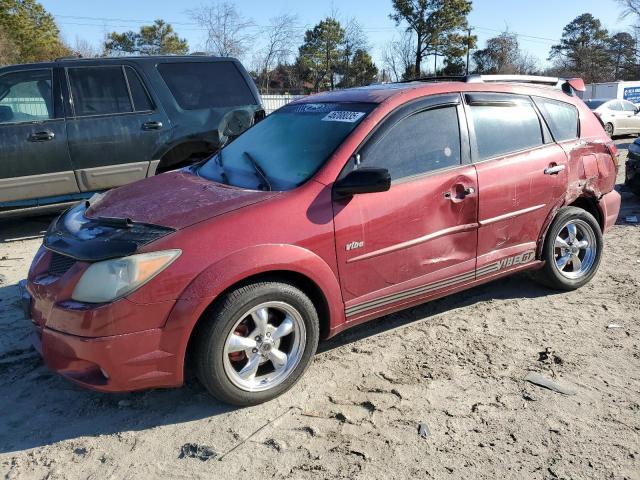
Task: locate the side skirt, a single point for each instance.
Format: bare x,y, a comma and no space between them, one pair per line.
401,300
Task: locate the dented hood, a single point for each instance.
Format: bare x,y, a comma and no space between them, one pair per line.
175,200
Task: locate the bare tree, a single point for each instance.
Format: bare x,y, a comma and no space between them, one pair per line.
631,7
280,39
397,56
85,49
354,39
228,34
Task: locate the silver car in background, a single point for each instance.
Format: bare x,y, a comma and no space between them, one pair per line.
618,116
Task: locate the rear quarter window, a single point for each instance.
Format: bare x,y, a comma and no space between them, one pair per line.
562,118
502,128
200,85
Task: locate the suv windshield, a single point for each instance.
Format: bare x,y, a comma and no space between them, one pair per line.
286,148
593,104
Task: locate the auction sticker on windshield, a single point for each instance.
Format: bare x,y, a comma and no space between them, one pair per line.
343,116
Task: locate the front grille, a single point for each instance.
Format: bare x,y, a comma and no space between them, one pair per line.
60,264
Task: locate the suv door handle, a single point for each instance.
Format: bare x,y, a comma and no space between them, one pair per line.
44,136
153,125
554,170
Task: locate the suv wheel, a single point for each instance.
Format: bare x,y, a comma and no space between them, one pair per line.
572,250
256,343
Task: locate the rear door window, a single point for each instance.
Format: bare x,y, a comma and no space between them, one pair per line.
562,118
503,125
420,143
26,96
99,90
199,85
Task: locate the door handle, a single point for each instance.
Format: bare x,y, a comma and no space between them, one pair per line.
460,193
42,136
153,125
554,170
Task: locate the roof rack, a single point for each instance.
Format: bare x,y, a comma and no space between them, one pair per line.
566,84
68,57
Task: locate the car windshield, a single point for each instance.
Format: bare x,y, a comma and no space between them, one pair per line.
593,104
286,148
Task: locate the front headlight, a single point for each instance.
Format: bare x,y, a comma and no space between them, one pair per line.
111,279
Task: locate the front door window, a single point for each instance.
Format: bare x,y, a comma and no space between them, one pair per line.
26,96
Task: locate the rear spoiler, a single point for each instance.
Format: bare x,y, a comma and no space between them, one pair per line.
576,83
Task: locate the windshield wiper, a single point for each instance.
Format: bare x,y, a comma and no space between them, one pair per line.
258,170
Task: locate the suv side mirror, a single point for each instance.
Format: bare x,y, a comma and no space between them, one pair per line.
362,180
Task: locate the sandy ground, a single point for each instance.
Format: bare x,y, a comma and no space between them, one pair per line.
457,365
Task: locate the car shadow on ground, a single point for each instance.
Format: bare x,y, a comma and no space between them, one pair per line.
33,396
17,229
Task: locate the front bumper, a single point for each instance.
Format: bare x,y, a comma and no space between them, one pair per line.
119,363
114,361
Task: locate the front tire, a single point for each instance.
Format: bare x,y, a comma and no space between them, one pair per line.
256,342
572,250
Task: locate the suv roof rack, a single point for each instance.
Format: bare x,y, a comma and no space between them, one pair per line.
566,84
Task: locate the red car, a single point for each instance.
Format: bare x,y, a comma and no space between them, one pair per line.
334,210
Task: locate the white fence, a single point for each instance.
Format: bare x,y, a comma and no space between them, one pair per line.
31,106
274,102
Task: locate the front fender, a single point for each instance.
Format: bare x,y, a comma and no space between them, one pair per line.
255,260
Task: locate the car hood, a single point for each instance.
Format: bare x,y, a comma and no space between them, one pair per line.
175,200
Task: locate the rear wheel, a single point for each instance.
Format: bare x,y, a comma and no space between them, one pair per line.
572,250
256,343
609,129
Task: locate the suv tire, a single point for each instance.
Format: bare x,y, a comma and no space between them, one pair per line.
256,342
572,250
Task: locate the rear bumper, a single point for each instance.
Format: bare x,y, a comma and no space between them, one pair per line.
118,363
610,207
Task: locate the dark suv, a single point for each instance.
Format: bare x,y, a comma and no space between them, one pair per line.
76,126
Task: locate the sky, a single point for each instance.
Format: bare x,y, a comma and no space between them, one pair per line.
538,23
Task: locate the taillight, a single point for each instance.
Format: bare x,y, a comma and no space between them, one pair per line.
613,151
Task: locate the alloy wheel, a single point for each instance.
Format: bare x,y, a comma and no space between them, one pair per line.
264,346
575,249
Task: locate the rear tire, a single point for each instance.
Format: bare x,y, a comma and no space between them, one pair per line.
256,342
609,129
572,250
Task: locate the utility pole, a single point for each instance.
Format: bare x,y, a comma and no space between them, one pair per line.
468,49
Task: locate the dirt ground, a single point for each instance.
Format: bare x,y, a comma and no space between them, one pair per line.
456,365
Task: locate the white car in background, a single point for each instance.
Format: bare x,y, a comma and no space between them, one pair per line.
617,116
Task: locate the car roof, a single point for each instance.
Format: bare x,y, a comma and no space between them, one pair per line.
392,92
122,59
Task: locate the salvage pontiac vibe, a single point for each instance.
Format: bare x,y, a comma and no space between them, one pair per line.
336,209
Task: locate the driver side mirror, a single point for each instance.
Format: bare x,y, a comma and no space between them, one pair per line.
362,180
